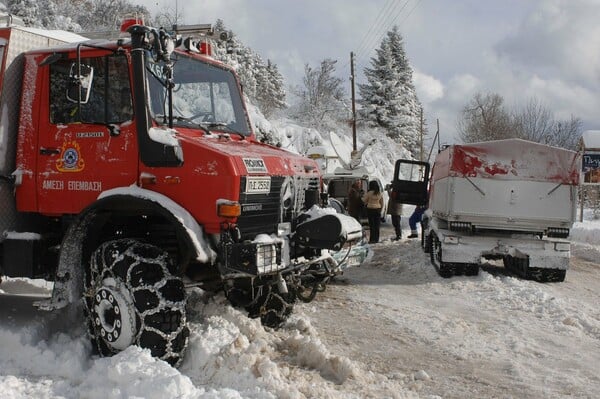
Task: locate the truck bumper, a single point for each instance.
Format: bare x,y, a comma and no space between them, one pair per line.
253,258
351,256
542,253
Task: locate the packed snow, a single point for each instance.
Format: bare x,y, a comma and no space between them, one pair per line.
389,328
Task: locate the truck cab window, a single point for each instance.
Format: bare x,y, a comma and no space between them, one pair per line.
109,96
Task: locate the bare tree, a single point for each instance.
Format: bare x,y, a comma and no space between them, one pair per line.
168,17
321,96
535,122
485,118
567,133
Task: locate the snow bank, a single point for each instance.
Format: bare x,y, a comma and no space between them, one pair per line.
229,356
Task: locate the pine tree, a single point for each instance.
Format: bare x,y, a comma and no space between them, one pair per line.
28,10
389,99
270,92
262,82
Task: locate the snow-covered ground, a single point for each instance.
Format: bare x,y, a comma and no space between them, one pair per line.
390,328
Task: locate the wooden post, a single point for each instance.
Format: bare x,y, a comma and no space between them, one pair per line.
421,131
353,103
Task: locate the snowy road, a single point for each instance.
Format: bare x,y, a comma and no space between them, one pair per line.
485,336
391,328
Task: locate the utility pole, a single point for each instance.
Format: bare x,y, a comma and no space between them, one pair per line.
422,134
353,102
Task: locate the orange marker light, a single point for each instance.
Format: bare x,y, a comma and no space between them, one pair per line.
231,209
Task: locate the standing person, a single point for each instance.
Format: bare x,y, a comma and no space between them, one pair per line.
394,209
354,201
373,199
415,218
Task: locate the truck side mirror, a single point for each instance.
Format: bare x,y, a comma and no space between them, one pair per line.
80,83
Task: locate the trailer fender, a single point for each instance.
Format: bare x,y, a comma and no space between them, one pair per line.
68,286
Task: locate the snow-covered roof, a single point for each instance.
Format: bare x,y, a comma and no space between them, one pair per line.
591,139
62,35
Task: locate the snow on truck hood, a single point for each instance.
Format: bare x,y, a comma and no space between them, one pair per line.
277,161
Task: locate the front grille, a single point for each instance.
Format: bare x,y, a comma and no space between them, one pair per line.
262,212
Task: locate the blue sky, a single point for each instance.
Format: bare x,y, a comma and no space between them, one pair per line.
520,49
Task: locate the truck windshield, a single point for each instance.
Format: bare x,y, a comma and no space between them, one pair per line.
203,95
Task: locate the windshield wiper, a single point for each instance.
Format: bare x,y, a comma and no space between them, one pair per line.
180,118
228,128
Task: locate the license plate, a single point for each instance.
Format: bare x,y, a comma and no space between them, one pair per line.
255,185
354,260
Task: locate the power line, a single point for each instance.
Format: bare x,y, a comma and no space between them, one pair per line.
382,13
362,58
383,28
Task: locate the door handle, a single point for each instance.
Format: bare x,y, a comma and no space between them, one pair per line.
49,151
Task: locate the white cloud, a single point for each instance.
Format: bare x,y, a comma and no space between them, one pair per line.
559,38
428,88
548,49
565,99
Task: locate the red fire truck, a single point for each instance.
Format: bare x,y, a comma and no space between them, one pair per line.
130,172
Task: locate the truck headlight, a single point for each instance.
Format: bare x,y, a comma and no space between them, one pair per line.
267,258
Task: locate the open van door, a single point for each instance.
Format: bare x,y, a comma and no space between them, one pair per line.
410,182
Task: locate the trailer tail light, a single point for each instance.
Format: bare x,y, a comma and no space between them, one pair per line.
460,226
229,209
557,232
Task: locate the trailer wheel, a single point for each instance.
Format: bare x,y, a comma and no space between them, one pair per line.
444,269
132,298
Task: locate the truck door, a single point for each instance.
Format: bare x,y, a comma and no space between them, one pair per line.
410,182
86,137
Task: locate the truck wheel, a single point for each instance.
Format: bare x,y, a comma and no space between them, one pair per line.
428,244
472,269
272,307
444,269
557,275
132,298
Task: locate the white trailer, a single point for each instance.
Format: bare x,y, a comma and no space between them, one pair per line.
513,200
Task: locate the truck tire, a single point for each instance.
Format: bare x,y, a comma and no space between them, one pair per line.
272,306
132,298
444,269
472,269
427,244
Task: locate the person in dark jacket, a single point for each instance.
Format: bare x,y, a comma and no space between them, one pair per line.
373,200
354,200
394,209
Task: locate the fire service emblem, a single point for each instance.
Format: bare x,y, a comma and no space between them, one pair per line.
70,158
